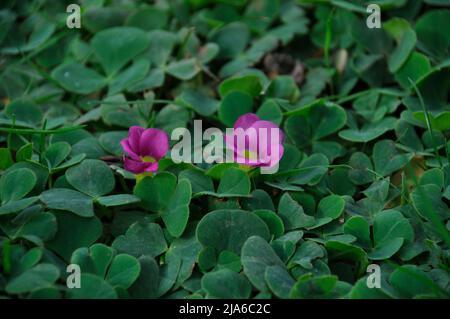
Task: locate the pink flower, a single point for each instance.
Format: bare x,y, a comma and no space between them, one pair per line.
255,142
144,148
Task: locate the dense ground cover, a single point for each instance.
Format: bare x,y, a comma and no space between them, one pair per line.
364,180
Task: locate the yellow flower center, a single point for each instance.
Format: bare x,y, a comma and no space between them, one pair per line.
147,159
139,177
250,155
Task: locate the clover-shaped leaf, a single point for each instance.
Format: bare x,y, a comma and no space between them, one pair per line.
92,177
229,229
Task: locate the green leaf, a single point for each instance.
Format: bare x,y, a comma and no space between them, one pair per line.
74,232
124,270
199,181
292,214
70,200
92,177
361,291
332,119
207,258
94,260
30,259
233,105
184,250
84,260
272,220
360,228
387,159
161,46
184,69
101,256
391,224
142,239
176,214
37,228
92,287
15,184
431,30
387,249
403,50
146,285
40,172
270,111
259,199
390,231
433,176
249,84
148,18
15,206
321,287
311,170
283,87
118,200
78,79
417,66
156,191
427,199
234,183
110,141
199,102
42,31
410,281
218,170
226,284
331,206
257,256
229,260
130,76
40,276
229,229
338,250
115,47
306,253
25,111
56,153
5,158
439,122
232,39
279,281
368,131
361,164
24,153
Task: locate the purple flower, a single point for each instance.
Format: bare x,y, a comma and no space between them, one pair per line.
144,148
255,142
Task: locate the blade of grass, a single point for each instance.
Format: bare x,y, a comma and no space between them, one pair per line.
25,131
6,253
427,120
328,37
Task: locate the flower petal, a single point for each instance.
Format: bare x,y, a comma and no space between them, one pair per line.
246,120
151,167
135,167
271,128
154,143
134,136
127,148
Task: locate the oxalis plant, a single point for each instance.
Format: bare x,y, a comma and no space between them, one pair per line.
100,200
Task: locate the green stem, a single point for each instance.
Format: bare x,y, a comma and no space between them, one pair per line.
6,252
40,131
427,120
